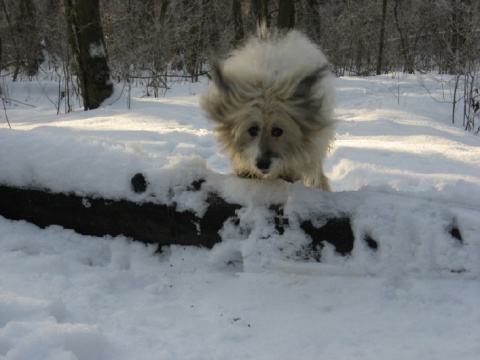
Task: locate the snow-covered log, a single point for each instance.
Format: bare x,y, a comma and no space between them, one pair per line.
165,224
146,222
151,222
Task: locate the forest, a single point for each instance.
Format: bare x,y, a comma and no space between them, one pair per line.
160,41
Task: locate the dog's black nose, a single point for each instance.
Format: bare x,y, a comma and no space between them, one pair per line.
263,164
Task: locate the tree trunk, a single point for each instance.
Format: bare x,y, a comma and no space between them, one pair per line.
29,42
382,38
408,67
85,37
237,21
286,14
14,41
194,42
312,20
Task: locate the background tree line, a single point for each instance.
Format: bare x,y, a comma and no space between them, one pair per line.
156,40
153,36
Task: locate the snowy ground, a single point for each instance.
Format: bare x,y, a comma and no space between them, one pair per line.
399,163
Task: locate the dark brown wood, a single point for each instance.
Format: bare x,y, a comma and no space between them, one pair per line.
237,22
382,38
150,222
286,14
146,222
338,229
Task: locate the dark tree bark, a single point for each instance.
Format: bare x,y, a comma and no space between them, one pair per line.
382,38
194,46
312,19
286,14
14,41
163,10
237,21
29,42
460,24
85,37
403,40
408,39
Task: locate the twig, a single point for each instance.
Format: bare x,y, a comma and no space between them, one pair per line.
5,110
20,102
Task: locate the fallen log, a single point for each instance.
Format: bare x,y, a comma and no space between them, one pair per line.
148,222
162,224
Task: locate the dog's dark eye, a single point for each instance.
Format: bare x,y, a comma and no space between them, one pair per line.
276,132
253,131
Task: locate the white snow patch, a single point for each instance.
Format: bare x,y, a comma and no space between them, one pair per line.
96,50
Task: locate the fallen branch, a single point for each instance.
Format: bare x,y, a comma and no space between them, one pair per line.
163,224
148,222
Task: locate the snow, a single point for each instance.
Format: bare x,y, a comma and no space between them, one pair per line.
399,168
96,50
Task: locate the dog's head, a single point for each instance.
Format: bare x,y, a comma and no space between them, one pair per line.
267,124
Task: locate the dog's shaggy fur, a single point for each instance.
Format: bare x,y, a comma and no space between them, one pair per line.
272,103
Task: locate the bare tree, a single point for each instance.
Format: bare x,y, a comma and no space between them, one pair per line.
28,39
408,31
382,37
85,36
237,21
286,14
13,39
308,18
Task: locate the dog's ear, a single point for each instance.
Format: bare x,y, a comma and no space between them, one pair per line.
218,77
305,86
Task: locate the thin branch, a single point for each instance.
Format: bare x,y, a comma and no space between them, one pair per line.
5,110
20,102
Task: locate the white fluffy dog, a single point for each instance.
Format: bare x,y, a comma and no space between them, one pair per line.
272,103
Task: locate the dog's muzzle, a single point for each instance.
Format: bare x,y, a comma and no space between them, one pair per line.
264,162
